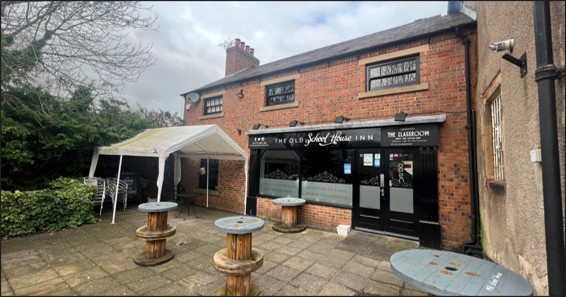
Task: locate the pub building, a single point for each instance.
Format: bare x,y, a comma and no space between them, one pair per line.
371,132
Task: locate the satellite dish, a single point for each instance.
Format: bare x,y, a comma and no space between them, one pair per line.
192,97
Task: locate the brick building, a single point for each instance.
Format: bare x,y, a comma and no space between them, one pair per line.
372,132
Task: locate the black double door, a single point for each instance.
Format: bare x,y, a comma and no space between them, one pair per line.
384,196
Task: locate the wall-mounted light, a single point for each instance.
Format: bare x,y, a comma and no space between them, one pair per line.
340,119
400,116
294,123
188,106
257,126
239,131
240,94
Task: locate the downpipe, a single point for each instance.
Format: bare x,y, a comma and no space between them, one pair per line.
472,247
545,75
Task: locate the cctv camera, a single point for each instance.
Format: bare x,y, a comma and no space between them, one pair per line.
188,106
502,45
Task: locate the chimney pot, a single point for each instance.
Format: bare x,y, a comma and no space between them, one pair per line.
242,45
252,51
247,48
237,42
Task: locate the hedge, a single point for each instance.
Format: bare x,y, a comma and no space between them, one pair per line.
66,203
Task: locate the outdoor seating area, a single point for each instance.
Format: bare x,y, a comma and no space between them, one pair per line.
98,259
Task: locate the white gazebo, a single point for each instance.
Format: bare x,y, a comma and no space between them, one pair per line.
196,142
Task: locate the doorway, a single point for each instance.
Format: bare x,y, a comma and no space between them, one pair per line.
384,199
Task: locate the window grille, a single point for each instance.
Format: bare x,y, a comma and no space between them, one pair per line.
213,105
280,93
400,72
496,121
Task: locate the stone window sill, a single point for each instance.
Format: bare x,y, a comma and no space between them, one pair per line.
496,186
280,106
212,116
405,89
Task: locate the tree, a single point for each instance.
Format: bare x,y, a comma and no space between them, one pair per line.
59,45
45,137
160,118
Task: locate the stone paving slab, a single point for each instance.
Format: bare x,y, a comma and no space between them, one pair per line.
97,260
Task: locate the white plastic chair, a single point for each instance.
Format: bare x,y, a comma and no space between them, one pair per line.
100,194
122,191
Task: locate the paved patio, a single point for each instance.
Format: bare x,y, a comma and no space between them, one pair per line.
97,259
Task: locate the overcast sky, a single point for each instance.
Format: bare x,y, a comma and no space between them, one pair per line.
187,43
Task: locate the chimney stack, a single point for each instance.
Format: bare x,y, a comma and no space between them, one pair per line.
240,57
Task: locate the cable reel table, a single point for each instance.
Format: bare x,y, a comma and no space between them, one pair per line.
444,273
238,260
155,233
289,218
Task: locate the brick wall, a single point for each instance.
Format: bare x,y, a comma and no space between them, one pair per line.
229,194
326,90
313,215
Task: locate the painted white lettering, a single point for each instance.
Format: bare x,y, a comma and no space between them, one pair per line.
413,133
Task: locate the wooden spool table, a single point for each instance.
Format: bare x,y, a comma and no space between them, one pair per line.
289,219
238,260
444,273
155,233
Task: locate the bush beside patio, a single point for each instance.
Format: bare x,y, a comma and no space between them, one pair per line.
66,203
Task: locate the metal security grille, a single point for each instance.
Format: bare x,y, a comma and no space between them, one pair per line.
213,105
280,93
496,121
393,74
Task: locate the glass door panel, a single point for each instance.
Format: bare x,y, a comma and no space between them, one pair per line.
401,182
371,189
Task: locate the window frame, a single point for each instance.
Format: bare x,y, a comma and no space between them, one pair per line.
496,135
397,60
221,105
273,85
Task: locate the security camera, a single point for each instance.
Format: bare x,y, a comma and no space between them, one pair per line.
502,45
188,106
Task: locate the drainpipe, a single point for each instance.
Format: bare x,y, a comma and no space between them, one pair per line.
473,246
545,75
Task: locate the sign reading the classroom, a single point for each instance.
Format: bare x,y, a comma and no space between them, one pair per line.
419,135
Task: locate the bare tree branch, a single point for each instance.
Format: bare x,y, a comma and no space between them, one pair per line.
75,43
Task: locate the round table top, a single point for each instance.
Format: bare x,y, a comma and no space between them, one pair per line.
445,273
157,206
239,224
289,201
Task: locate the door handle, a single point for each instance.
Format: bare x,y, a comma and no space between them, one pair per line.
382,190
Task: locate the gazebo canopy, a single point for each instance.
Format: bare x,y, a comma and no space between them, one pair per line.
202,141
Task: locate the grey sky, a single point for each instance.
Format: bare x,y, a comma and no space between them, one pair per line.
187,43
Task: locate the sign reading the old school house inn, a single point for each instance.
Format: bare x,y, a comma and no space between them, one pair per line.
318,139
394,136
